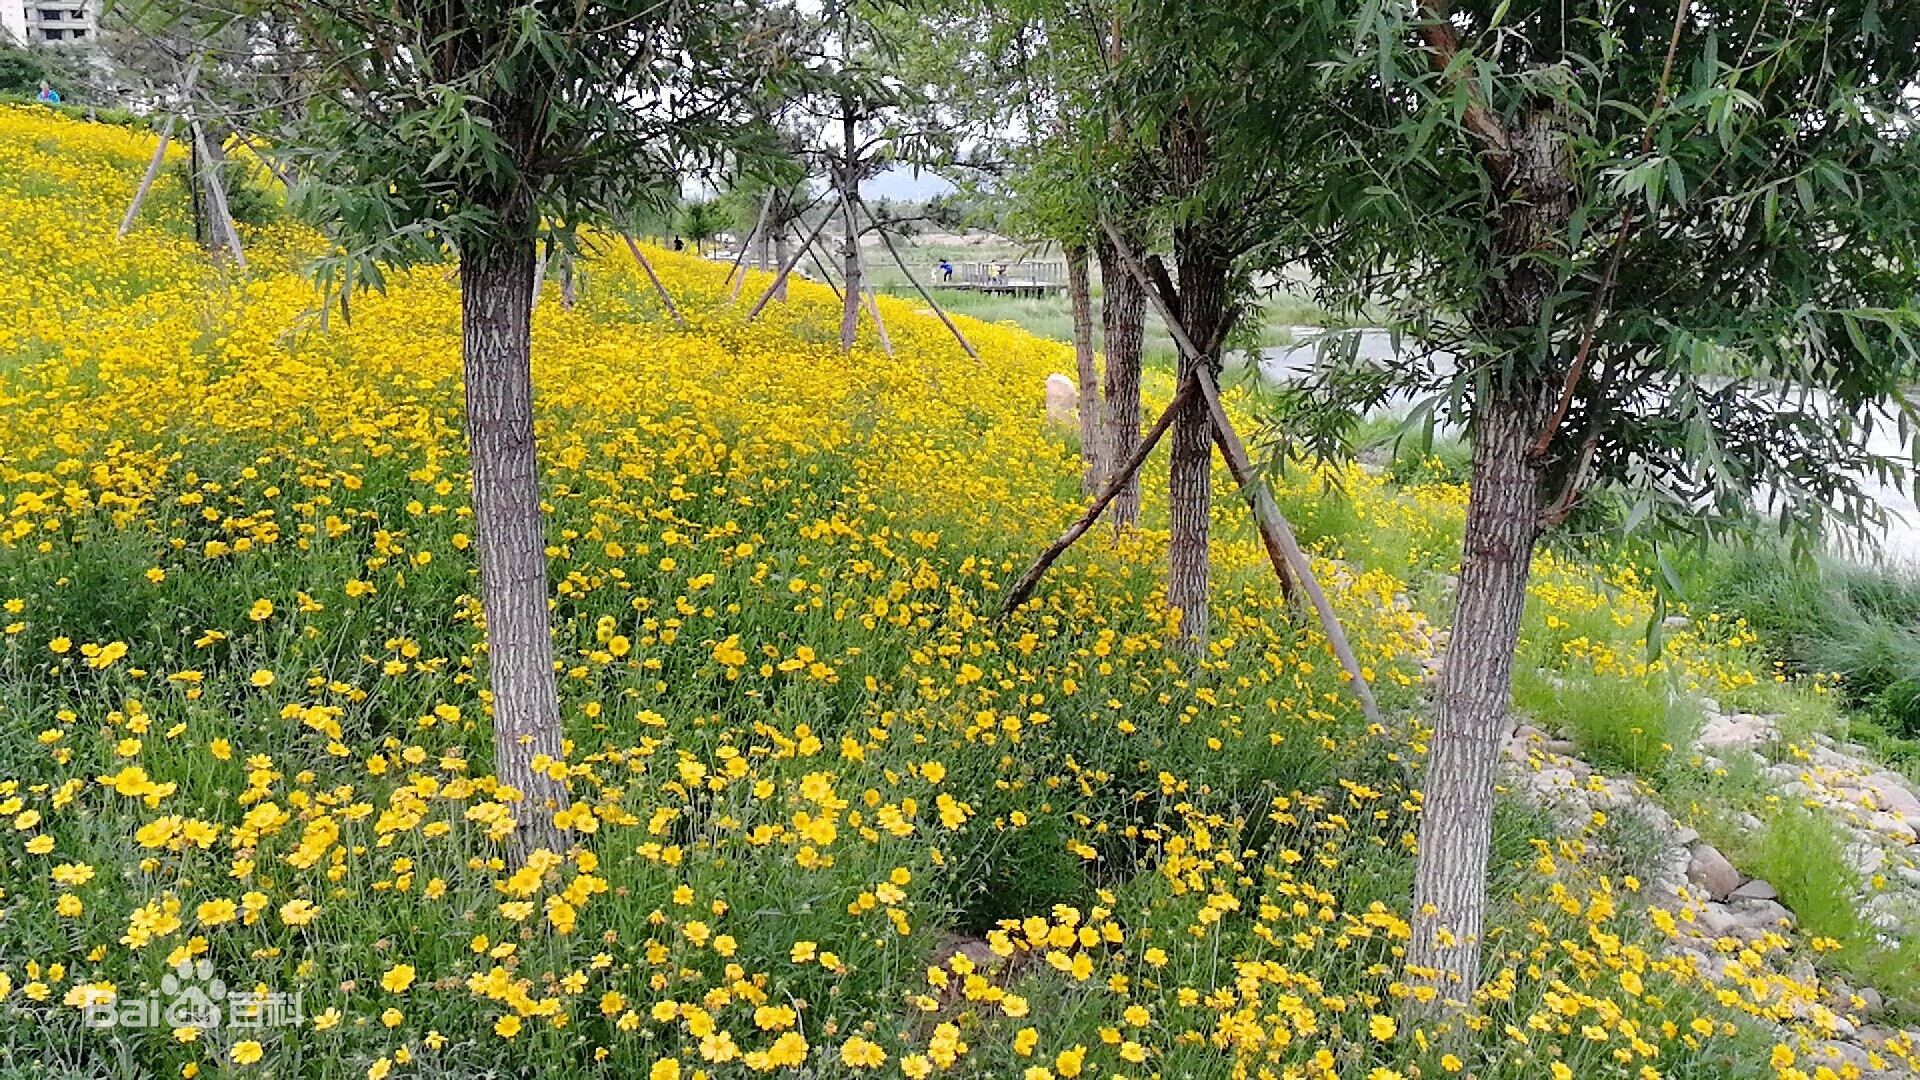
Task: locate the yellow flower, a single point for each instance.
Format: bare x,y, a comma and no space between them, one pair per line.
298,912
1382,1027
665,1069
261,678
507,1026
858,1053
397,979
246,1052
215,912
261,611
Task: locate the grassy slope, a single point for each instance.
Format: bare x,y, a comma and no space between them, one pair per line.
241,719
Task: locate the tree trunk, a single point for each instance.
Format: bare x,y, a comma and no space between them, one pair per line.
1123,320
1098,464
850,278
1456,816
1204,266
1503,508
496,290
850,252
782,245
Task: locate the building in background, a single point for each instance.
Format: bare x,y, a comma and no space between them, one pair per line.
51,22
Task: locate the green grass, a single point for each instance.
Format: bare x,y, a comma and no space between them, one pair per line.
1860,623
1617,720
1803,855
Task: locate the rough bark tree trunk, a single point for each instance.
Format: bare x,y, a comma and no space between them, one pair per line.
782,245
1123,320
1503,521
1204,266
1092,437
850,244
496,290
1456,816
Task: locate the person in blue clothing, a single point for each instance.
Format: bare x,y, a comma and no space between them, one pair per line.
946,270
48,95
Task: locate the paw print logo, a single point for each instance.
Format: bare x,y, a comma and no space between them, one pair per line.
188,1003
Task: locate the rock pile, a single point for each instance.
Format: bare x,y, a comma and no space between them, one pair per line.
1875,808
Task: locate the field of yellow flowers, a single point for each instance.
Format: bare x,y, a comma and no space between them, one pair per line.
830,820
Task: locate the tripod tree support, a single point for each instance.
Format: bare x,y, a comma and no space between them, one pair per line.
922,289
737,275
1117,483
218,191
665,298
873,309
146,182
793,259
815,255
1281,544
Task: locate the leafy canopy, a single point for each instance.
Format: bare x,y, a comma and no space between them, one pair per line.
1760,193
489,121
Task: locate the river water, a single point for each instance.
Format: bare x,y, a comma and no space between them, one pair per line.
1898,548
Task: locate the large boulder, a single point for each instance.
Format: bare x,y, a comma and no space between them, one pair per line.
1063,399
1711,871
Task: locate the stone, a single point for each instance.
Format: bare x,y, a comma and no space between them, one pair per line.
1866,859
1711,871
1686,836
1761,914
1563,747
1715,921
1837,1054
1888,825
1736,730
1870,999
1755,890
1062,399
1889,793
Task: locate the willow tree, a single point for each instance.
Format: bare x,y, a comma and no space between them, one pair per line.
485,127
1233,123
1666,252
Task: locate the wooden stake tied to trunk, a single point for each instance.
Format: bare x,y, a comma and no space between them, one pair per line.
665,298
1115,485
922,289
737,275
793,259
1275,532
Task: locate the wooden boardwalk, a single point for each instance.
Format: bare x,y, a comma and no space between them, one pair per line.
1034,279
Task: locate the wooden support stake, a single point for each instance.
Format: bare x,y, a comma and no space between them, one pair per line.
1275,532
218,191
924,294
826,275
665,299
741,255
1099,505
873,309
793,259
146,182
872,300
539,273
